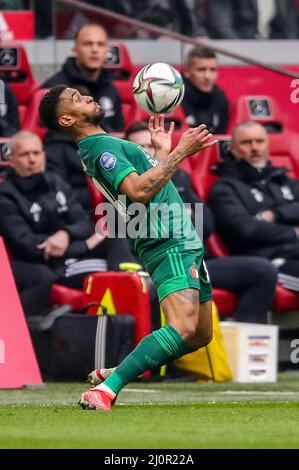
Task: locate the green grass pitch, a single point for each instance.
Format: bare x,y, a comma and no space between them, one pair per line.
155,415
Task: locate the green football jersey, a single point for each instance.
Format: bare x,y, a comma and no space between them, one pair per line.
161,224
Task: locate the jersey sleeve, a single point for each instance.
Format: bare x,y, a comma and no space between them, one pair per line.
113,166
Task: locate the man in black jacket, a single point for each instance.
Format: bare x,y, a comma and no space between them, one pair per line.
253,279
171,14
46,230
256,205
85,69
63,159
204,101
233,19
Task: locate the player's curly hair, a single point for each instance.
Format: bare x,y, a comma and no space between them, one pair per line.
48,107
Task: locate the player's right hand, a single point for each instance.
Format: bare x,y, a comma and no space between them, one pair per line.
194,140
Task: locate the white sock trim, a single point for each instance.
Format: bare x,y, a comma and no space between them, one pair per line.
106,389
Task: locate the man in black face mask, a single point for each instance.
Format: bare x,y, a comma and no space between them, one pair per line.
204,101
46,230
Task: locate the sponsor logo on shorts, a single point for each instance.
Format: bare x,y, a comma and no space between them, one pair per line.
108,161
194,272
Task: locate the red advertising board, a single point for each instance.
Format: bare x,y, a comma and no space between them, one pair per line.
16,25
18,365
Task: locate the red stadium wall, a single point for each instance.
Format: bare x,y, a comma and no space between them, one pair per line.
237,81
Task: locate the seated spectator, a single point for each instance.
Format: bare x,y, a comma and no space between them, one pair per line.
170,14
9,114
283,24
11,5
86,69
253,279
204,101
43,19
256,205
47,232
249,19
233,19
199,16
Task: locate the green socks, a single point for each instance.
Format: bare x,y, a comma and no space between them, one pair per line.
154,350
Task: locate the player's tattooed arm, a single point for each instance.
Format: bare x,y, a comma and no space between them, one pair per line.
187,295
141,188
166,168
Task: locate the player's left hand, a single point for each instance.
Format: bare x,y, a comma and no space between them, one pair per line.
161,139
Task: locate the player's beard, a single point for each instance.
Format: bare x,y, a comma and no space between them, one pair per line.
97,119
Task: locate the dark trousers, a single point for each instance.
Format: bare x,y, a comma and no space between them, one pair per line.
253,279
35,280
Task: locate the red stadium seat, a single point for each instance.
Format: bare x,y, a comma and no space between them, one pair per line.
261,109
4,142
119,62
32,122
284,152
96,198
129,109
62,295
17,72
285,300
202,179
216,246
121,71
185,165
226,302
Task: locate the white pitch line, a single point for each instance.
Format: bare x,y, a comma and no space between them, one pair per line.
139,390
243,392
227,392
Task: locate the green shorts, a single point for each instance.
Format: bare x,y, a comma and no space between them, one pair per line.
179,268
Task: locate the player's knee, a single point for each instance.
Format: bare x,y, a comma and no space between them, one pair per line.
202,338
188,325
189,333
205,340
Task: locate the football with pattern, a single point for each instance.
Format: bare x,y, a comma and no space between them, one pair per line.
158,88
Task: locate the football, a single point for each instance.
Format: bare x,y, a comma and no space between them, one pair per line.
158,88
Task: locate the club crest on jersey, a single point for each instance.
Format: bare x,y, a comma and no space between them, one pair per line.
108,161
194,272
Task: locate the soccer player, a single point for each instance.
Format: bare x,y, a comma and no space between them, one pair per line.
175,262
